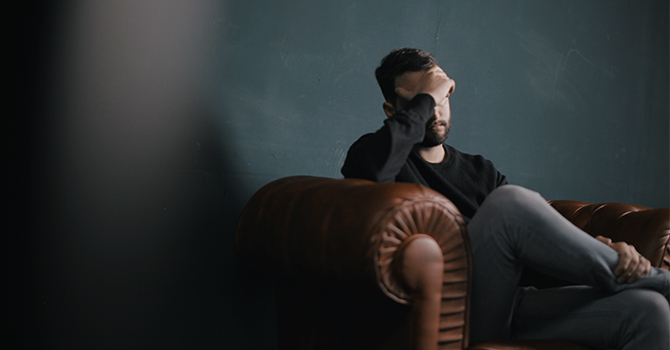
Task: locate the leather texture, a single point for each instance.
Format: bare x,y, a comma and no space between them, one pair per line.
343,256
645,228
348,233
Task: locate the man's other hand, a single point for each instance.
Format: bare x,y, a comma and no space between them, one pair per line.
632,265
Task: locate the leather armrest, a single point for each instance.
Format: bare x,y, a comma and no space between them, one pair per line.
343,229
645,228
366,237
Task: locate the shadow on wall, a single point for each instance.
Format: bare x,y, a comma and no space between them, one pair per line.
134,194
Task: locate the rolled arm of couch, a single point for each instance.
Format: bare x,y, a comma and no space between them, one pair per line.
363,236
646,228
346,229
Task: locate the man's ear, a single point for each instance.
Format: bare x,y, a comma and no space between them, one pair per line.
388,109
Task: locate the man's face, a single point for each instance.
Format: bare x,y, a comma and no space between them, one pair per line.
438,126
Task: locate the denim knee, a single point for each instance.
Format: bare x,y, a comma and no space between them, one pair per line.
513,199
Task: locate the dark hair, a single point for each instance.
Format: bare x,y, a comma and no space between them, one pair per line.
399,62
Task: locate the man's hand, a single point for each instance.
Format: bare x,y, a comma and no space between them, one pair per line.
632,265
434,82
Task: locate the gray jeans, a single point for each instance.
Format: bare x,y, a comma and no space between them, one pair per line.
516,227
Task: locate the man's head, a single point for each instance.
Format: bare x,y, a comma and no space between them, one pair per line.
413,70
397,63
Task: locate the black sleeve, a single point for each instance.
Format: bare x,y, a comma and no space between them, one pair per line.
379,156
502,180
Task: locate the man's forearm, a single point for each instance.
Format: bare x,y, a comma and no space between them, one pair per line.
380,156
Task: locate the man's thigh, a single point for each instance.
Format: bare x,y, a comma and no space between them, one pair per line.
634,318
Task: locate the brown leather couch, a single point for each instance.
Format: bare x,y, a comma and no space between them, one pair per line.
362,265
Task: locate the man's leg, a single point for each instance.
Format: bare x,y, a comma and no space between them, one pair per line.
629,320
516,227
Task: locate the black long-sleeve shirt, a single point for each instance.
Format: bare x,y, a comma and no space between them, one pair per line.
387,156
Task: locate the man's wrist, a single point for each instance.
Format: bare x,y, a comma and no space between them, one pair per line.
422,103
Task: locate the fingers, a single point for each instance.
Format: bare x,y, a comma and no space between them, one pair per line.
434,82
623,270
404,93
642,269
647,267
632,265
605,240
451,86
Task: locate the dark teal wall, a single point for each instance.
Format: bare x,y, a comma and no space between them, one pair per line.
568,98
142,128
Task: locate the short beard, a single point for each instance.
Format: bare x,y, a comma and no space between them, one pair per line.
434,138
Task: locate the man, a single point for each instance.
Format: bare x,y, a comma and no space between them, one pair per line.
620,302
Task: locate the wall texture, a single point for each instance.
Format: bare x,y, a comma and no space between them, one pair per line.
141,128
